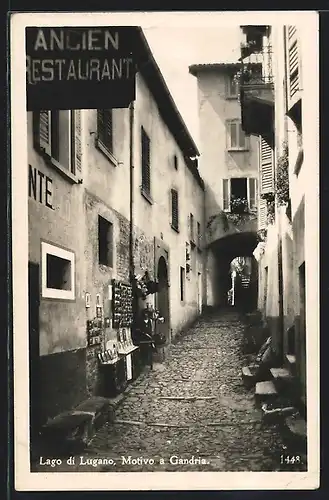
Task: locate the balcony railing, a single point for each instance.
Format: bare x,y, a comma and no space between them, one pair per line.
256,100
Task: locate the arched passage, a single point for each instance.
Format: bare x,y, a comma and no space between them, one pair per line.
163,296
224,251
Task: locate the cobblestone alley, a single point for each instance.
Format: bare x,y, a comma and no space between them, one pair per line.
192,408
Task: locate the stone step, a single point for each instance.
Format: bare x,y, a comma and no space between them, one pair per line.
280,373
282,378
291,358
291,363
75,428
265,391
249,375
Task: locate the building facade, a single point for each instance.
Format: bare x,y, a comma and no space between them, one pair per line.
114,194
274,106
229,166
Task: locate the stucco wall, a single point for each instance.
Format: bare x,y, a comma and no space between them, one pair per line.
71,221
216,162
62,324
155,218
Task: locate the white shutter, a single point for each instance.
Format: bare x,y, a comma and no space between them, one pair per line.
226,194
262,214
266,167
242,136
252,193
294,82
232,134
77,142
42,131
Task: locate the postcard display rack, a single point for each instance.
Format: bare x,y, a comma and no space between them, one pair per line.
121,363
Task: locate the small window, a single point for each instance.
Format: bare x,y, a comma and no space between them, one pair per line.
175,162
236,139
105,242
232,87
58,271
146,162
174,210
182,284
105,130
240,194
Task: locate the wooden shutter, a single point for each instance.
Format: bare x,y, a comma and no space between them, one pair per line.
174,208
42,131
252,192
262,214
266,167
77,150
105,128
293,61
146,174
226,194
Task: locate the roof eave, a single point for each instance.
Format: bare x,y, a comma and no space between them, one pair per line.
159,81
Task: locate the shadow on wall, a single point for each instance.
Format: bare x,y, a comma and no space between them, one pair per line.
217,224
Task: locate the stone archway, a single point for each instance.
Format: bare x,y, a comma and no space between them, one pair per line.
224,250
163,297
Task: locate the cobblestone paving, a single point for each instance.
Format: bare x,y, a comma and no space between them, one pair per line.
192,411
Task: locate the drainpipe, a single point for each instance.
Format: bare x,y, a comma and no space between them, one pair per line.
131,190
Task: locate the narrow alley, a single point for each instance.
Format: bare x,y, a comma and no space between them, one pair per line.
191,413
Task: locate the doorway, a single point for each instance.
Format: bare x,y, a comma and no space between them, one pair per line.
163,297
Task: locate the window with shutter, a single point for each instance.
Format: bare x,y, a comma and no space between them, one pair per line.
105,128
146,162
293,61
252,193
262,214
226,195
76,142
266,167
44,131
237,139
57,134
174,209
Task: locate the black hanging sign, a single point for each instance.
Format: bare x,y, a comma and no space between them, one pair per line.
80,67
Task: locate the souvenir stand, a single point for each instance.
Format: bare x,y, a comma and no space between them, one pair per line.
120,363
122,319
